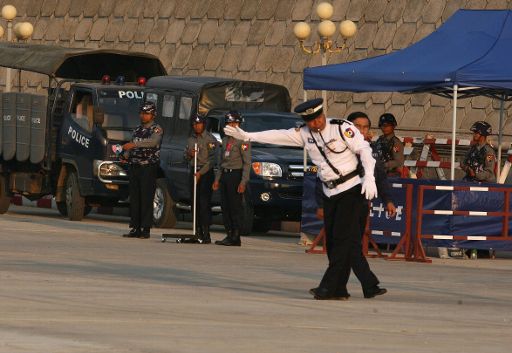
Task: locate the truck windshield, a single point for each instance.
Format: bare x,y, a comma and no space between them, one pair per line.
270,122
121,108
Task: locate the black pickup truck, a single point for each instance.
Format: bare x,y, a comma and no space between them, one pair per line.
275,187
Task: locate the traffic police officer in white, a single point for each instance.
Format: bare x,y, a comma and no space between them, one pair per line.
332,146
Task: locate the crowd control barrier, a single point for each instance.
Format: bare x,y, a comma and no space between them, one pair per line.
483,224
431,213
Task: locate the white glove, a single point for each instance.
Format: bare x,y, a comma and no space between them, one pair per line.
368,188
237,133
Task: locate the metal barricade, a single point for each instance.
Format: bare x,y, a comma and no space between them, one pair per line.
505,213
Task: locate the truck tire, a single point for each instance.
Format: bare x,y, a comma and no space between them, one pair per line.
5,199
163,206
75,203
247,217
61,207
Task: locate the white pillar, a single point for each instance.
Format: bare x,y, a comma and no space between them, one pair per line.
454,127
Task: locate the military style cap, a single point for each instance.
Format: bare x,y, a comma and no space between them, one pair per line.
233,117
310,109
198,119
387,118
481,127
148,107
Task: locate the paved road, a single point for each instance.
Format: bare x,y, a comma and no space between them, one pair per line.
75,287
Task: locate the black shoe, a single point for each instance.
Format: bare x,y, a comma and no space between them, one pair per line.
133,233
321,294
223,241
145,233
234,240
374,292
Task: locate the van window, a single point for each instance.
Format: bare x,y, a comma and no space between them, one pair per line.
152,97
168,106
82,110
185,108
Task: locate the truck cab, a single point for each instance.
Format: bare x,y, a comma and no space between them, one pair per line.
66,143
275,188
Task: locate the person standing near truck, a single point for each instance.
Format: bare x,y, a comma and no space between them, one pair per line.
143,154
203,174
232,178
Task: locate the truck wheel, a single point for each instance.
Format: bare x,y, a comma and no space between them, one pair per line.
61,207
247,218
5,200
163,206
75,203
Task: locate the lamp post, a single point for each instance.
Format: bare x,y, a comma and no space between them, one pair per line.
326,29
22,31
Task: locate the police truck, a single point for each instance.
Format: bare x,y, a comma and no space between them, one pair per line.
66,143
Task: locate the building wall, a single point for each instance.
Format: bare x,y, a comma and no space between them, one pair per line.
253,39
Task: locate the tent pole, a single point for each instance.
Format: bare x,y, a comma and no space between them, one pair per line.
500,134
305,152
454,127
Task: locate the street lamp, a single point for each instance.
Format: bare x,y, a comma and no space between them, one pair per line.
326,29
22,31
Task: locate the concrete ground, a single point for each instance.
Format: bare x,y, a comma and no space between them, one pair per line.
69,287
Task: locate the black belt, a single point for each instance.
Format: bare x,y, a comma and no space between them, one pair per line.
331,184
225,170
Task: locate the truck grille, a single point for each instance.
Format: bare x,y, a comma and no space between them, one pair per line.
297,170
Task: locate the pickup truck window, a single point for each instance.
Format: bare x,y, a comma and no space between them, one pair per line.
121,111
185,108
168,104
260,123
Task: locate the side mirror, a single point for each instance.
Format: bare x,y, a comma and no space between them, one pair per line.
99,116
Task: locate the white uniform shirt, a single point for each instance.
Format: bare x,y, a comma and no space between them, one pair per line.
345,162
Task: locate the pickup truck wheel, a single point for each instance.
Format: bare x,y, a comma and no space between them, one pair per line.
5,200
163,206
247,218
61,207
75,203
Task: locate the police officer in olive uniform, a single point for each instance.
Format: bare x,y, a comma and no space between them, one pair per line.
333,146
232,178
480,160
389,148
206,153
143,154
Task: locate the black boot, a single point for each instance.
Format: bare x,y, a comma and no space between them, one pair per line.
133,233
205,236
145,233
226,239
235,239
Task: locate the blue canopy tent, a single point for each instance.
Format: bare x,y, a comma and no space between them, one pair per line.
467,56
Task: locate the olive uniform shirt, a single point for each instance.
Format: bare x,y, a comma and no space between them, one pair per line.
482,159
391,151
235,154
207,147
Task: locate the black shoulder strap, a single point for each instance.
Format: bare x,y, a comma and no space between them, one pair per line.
324,155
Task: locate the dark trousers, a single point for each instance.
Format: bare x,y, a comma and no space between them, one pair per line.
142,192
203,197
343,235
231,200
